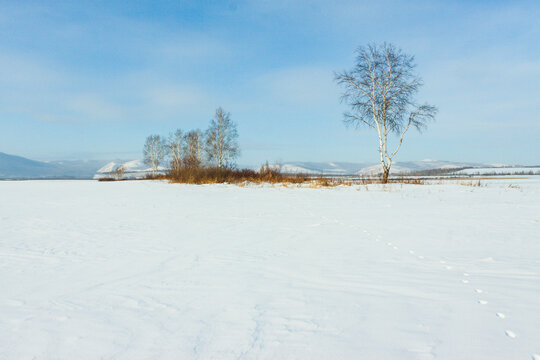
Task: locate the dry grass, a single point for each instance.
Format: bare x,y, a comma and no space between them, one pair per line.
477,183
407,180
146,177
214,175
155,177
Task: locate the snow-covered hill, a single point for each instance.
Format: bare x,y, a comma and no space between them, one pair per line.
132,169
326,168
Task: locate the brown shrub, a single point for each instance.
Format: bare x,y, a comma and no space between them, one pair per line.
150,176
215,175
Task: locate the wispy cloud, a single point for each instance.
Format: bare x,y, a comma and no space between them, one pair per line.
311,86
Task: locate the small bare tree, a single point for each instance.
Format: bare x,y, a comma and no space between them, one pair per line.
193,148
175,148
380,90
222,140
154,151
119,172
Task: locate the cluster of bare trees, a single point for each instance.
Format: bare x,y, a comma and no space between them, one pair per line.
217,146
380,89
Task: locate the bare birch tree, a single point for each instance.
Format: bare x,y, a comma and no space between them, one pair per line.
119,172
154,151
380,90
175,148
193,154
222,140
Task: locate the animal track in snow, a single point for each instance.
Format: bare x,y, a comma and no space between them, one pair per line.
508,333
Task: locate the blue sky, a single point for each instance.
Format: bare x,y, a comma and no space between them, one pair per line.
90,80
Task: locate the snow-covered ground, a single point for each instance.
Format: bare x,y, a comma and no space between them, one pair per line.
151,270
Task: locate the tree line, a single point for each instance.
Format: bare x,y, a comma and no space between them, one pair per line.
215,147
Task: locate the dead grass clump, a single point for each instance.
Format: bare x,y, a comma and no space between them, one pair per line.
267,175
408,180
477,183
151,176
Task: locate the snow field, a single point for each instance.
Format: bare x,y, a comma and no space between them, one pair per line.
137,270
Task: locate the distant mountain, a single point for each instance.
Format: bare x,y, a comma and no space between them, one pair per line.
17,167
325,168
12,166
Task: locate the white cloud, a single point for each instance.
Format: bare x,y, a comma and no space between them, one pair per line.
93,106
21,71
35,89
